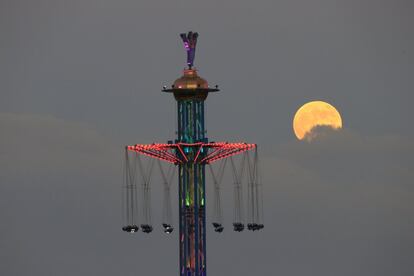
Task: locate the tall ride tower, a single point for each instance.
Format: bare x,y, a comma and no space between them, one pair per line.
191,152
190,92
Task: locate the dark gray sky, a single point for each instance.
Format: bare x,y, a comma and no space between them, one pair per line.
79,79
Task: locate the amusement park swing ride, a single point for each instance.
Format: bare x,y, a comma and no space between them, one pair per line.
189,156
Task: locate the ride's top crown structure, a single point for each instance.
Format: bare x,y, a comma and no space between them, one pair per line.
190,85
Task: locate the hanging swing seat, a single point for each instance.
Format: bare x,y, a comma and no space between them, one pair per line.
216,224
238,226
130,228
168,229
146,228
255,226
218,227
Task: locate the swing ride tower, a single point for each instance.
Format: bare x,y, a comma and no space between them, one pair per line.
190,153
190,92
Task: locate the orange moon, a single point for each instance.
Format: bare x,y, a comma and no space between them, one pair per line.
316,113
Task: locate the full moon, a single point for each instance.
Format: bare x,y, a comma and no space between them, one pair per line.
312,114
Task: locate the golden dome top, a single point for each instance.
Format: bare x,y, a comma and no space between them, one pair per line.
190,80
190,86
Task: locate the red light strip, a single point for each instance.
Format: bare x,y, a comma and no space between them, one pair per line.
182,153
229,150
157,157
155,151
209,161
164,151
217,150
198,153
191,144
165,155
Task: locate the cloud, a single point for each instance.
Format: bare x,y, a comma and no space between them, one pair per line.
344,201
318,132
38,145
339,205
349,155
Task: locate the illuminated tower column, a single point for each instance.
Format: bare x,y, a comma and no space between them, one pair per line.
190,92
